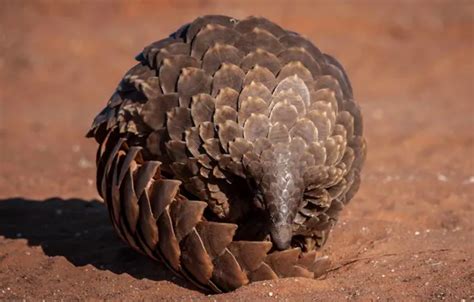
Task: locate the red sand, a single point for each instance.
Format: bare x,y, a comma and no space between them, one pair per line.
408,234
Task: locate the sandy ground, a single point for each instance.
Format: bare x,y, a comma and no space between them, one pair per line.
408,234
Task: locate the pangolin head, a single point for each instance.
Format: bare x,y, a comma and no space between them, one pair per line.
279,163
282,189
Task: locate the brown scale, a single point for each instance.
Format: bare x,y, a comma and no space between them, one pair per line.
228,152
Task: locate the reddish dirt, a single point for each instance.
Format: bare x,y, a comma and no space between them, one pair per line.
408,234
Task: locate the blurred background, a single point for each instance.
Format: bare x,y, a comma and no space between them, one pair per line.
411,65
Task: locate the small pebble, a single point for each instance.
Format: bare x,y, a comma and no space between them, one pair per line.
470,180
442,177
270,294
85,163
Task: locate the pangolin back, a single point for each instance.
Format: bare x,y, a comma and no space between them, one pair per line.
228,151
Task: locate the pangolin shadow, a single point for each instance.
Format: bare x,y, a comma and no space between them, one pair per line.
80,231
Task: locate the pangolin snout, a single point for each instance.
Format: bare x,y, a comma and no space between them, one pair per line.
281,236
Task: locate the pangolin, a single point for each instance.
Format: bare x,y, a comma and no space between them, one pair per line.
228,152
